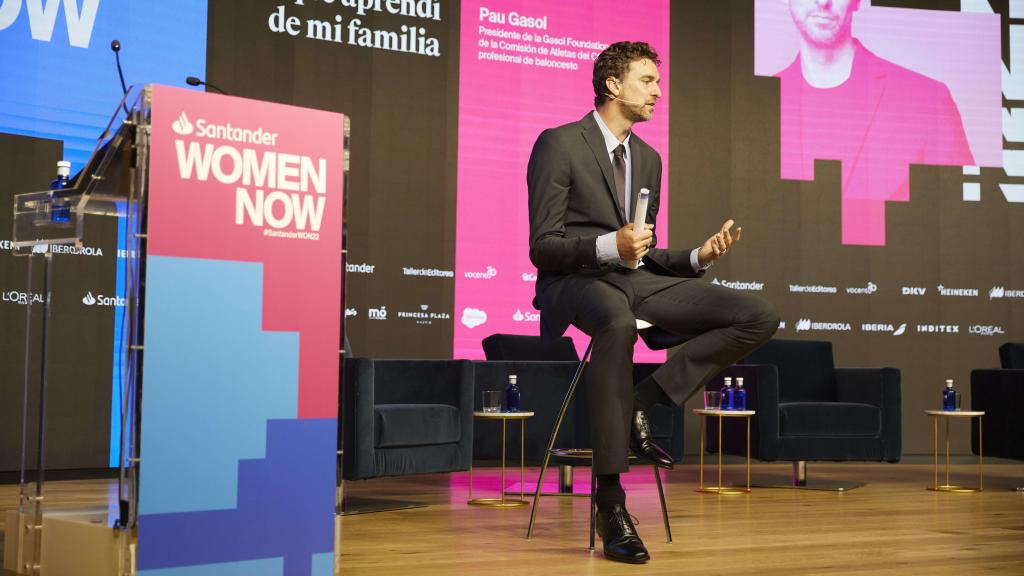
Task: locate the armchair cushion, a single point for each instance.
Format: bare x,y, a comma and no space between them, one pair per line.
515,347
829,419
398,425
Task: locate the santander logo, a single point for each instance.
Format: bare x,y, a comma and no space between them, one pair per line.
88,299
182,125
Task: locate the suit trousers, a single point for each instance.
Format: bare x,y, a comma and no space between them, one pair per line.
722,326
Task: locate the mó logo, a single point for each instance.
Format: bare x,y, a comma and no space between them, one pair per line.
182,125
473,317
378,313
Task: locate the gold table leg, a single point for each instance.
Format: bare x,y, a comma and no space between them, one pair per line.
503,502
719,489
947,487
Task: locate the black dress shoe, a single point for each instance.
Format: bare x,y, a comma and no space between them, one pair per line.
621,542
641,444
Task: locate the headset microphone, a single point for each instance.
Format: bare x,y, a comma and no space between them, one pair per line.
631,103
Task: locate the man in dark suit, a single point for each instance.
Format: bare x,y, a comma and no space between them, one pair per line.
583,180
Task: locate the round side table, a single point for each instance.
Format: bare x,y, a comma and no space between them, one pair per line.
948,415
503,502
704,413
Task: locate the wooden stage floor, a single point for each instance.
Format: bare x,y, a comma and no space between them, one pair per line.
890,526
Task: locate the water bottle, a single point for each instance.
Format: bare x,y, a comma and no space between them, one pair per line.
727,394
512,395
949,397
60,210
740,396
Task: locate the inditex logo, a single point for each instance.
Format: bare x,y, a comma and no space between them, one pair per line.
473,317
938,328
491,272
182,125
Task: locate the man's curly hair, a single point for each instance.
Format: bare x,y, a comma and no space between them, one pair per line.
614,62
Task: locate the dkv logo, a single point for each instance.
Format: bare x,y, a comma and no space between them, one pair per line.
42,17
182,125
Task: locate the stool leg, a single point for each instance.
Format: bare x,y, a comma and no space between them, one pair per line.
593,505
554,436
664,509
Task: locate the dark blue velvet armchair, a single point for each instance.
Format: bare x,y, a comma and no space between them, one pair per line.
809,410
406,417
1000,393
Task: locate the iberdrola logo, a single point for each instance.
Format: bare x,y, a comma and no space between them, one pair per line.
182,125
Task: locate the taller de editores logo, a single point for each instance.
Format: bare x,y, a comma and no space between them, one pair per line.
282,193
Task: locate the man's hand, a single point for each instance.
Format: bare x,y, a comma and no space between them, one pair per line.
633,245
718,244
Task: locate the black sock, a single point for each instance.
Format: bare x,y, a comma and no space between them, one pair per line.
609,491
647,393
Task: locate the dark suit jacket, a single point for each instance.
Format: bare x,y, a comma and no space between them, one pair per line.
572,202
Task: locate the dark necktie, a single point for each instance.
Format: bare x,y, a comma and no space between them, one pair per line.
619,171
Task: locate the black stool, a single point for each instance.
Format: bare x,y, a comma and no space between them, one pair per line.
656,339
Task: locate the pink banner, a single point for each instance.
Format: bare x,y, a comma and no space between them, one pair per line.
259,182
526,66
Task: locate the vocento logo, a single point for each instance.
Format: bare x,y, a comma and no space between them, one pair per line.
282,193
490,273
871,288
182,125
473,317
1002,292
